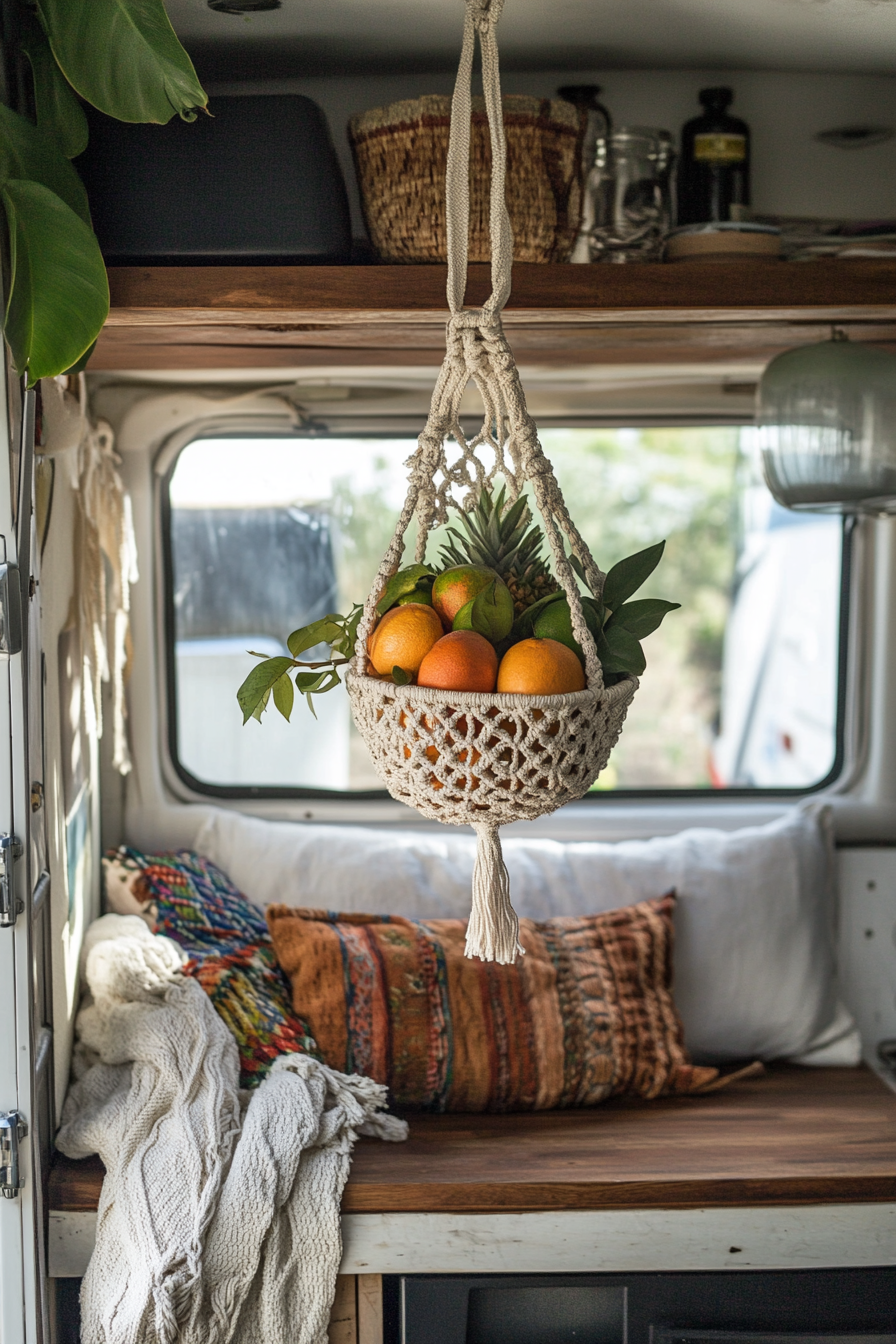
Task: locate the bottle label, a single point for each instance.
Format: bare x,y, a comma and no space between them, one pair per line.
721,148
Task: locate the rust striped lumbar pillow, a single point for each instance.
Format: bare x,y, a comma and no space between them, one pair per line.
585,1015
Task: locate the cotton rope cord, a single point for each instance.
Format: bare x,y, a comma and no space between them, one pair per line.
219,1218
463,757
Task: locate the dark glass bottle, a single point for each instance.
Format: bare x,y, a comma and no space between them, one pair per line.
714,168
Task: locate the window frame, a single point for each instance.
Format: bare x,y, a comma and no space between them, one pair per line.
200,790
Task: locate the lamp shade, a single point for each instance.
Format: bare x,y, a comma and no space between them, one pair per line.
827,428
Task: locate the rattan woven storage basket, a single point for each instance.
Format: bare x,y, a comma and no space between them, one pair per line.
401,153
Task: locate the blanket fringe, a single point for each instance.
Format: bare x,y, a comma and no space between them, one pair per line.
217,1224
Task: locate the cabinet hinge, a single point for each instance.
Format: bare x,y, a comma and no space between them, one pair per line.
10,905
12,1130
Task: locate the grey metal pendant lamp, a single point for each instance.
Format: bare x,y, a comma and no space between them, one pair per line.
827,427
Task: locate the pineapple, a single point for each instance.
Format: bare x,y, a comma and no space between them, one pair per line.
505,542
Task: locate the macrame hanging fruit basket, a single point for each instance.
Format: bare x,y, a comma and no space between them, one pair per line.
466,757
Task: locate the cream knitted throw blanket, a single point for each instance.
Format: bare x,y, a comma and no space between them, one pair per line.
219,1220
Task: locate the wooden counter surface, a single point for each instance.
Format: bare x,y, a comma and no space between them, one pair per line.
794,1136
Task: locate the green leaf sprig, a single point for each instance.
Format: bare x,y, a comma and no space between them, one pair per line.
489,613
273,677
412,584
616,624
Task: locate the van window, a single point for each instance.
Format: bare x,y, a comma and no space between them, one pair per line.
742,684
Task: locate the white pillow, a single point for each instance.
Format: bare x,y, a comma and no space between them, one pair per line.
754,959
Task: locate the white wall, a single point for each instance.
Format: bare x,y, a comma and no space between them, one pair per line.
72,910
792,173
868,943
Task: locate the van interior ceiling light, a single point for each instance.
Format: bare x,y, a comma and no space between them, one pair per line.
827,427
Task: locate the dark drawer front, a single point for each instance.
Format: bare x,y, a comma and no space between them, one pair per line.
855,1306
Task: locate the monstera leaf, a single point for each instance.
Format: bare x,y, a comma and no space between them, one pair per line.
59,114
58,291
123,56
27,153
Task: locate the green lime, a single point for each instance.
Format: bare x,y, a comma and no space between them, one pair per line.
555,622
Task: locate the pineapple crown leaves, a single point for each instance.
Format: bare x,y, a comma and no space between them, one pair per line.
495,533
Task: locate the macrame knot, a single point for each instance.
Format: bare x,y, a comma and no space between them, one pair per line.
531,459
485,13
496,344
465,319
474,353
430,446
489,323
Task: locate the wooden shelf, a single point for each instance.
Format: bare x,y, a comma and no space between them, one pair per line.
307,316
796,1136
779,286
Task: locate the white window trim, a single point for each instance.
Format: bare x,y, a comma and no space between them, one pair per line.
159,803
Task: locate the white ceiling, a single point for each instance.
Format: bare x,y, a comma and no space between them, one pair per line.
315,37
617,393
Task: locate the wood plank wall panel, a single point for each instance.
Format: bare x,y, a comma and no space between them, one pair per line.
370,1309
343,1327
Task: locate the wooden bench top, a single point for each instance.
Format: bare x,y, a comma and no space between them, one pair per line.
794,1136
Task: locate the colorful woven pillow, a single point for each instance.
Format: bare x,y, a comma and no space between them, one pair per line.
585,1015
228,943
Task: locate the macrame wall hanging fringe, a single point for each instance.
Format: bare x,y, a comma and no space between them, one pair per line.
105,552
463,757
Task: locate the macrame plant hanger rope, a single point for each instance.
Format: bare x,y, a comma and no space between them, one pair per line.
463,757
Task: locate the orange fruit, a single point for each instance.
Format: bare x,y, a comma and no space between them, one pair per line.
403,638
456,587
431,753
461,661
540,667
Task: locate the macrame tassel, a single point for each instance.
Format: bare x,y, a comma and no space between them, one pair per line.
493,930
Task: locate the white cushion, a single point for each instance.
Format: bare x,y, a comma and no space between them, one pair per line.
754,959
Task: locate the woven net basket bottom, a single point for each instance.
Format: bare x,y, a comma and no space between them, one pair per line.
464,757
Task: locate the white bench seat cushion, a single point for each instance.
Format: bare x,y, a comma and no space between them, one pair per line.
754,955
